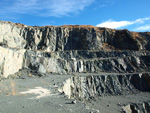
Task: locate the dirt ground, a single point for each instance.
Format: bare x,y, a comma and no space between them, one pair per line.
40,95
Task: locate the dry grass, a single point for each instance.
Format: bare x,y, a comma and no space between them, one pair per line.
12,84
74,75
11,89
148,33
20,25
107,47
30,75
68,26
101,31
1,85
136,35
78,26
13,92
87,27
64,26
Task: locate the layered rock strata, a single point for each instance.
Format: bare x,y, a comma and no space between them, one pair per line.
118,61
68,49
13,60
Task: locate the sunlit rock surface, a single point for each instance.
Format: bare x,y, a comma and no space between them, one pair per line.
93,63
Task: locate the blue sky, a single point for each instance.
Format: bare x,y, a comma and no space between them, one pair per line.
118,14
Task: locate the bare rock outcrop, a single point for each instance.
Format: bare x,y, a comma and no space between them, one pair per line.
104,62
137,108
88,87
67,49
62,38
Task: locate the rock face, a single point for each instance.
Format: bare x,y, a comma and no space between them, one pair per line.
101,85
12,60
117,61
137,108
67,49
64,38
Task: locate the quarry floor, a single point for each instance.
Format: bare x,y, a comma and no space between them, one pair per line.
40,95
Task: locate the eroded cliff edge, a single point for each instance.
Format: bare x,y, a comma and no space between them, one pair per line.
71,37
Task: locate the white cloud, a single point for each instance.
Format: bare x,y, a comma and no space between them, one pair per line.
143,28
43,7
142,20
114,24
120,24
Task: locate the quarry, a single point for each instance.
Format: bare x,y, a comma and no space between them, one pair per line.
73,69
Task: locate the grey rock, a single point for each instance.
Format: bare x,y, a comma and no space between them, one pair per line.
137,108
89,87
48,62
62,38
74,102
71,49
27,51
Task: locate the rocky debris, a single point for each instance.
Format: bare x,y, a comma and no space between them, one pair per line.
26,73
137,108
86,88
74,102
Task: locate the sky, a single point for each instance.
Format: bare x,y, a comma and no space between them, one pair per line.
133,15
